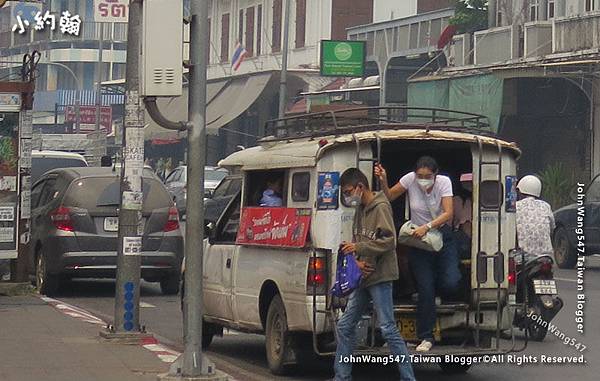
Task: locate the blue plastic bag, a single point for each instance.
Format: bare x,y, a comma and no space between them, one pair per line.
347,275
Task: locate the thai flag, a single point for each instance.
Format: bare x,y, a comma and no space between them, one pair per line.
238,56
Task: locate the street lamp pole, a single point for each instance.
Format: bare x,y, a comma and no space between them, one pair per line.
284,60
77,80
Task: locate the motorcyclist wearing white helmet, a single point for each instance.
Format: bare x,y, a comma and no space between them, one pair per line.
535,221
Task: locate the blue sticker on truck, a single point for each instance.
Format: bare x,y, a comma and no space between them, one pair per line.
511,194
327,198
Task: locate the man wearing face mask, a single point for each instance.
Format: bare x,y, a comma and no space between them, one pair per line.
430,203
374,245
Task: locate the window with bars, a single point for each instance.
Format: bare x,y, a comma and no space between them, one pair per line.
589,5
551,9
225,37
250,31
241,27
534,8
276,35
300,23
258,30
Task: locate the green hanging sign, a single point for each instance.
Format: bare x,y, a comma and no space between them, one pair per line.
343,58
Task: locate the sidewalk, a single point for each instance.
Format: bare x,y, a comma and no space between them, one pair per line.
37,342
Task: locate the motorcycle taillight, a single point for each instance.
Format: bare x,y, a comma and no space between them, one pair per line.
546,268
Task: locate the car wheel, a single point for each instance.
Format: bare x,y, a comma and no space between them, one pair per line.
47,284
207,334
169,285
277,337
564,253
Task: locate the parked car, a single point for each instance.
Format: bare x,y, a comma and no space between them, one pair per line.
44,161
565,236
176,183
75,223
147,170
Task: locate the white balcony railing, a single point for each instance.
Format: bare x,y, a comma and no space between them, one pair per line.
576,33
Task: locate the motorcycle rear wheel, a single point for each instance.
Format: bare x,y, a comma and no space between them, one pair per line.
535,331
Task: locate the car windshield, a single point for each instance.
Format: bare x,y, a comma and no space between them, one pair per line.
214,175
41,165
97,192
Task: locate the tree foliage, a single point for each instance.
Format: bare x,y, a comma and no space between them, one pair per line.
470,16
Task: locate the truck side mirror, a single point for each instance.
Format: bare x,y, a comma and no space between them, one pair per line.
209,231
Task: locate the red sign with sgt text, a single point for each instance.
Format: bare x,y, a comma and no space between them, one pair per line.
287,227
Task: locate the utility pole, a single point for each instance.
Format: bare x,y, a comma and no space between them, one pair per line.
284,60
193,364
127,293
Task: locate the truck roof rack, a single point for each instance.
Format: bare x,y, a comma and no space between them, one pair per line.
360,119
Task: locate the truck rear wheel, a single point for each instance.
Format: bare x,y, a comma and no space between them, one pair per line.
277,337
454,368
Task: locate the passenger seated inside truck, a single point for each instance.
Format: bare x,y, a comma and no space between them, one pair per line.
463,215
271,196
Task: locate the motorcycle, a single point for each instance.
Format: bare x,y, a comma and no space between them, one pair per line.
537,289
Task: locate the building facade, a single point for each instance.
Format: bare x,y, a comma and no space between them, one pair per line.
68,65
533,73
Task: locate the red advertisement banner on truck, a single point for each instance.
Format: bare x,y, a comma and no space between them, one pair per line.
287,227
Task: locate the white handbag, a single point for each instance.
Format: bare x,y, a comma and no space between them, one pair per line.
432,241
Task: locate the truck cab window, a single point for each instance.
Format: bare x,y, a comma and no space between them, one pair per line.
301,186
265,188
229,225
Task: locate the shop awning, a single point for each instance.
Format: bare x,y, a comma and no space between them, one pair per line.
479,94
234,99
226,100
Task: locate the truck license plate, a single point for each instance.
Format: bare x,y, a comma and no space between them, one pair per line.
545,287
408,329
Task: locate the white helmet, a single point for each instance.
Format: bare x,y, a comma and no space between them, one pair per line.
530,185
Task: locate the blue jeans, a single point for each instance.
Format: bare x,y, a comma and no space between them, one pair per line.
430,270
381,294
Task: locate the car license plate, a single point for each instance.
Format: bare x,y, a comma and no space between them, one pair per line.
111,224
545,287
408,329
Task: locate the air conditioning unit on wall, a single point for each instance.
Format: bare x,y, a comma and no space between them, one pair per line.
162,48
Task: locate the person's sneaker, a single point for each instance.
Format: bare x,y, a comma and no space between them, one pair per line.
425,346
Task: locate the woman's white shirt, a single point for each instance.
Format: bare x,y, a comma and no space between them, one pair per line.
419,211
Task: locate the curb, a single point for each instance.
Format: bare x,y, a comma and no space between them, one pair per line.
16,289
149,342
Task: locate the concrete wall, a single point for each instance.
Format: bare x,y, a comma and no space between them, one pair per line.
384,10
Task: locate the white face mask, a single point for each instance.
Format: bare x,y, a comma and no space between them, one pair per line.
353,200
425,183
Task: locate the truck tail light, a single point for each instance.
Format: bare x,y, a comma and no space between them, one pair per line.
317,276
172,220
512,274
61,218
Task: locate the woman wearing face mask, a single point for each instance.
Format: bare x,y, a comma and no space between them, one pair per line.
430,202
